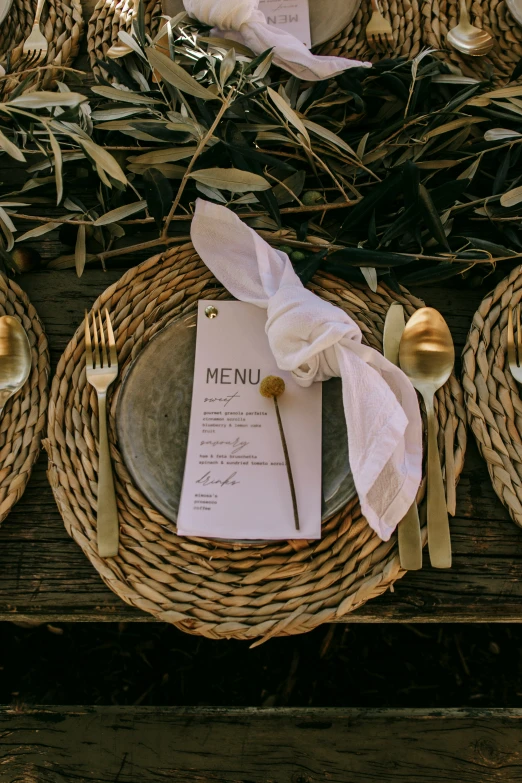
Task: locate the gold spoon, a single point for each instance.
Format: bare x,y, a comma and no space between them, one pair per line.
467,38
427,356
15,357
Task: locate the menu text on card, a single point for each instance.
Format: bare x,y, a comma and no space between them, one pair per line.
290,15
236,481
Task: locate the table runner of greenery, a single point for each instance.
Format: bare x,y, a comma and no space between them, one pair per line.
406,172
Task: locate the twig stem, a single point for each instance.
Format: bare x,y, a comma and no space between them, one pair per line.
288,468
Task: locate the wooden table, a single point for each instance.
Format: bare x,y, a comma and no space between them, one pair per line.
44,577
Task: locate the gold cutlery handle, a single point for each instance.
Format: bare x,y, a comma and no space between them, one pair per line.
107,522
410,542
39,9
439,541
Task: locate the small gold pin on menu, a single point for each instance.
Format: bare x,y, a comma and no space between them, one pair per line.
211,311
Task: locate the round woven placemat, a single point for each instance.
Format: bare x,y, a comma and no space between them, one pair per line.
111,16
407,22
214,588
417,24
492,396
61,24
22,423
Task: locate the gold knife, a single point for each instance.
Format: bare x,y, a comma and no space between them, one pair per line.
410,544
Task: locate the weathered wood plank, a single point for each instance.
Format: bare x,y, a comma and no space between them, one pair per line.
98,745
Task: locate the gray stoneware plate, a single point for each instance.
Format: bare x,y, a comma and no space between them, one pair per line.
153,415
327,17
5,7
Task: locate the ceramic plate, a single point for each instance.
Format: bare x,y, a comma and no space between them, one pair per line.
515,6
5,6
327,17
153,415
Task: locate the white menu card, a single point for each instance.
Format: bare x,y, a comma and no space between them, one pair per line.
236,482
290,15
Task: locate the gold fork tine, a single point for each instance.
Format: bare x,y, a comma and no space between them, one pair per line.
104,360
88,347
512,354
96,351
112,343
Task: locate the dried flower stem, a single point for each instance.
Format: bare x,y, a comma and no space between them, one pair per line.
273,386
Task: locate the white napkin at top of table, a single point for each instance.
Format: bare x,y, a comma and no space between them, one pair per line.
242,21
315,341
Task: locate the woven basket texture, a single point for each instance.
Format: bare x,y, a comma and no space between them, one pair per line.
111,16
493,398
416,24
214,588
22,423
62,25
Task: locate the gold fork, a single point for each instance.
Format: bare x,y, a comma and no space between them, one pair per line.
379,33
514,349
35,46
102,369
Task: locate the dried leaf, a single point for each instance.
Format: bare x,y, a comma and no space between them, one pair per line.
103,159
168,155
79,250
370,275
324,133
120,213
235,180
499,134
39,231
11,148
177,76
512,197
114,94
47,100
288,113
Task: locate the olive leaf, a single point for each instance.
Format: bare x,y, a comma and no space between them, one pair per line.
120,213
80,250
431,217
158,192
169,155
38,231
11,148
126,96
333,138
235,180
44,99
288,113
177,76
512,197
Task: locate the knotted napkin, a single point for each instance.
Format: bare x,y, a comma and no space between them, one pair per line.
242,21
315,340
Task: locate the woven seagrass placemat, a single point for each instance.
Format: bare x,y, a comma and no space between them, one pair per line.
417,24
493,399
111,16
22,423
215,588
61,24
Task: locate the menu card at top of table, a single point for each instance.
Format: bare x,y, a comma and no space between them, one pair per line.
236,482
290,15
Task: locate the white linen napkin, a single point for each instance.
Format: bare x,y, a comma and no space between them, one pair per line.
241,20
315,341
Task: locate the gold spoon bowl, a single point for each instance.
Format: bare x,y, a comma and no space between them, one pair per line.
15,357
427,357
468,39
